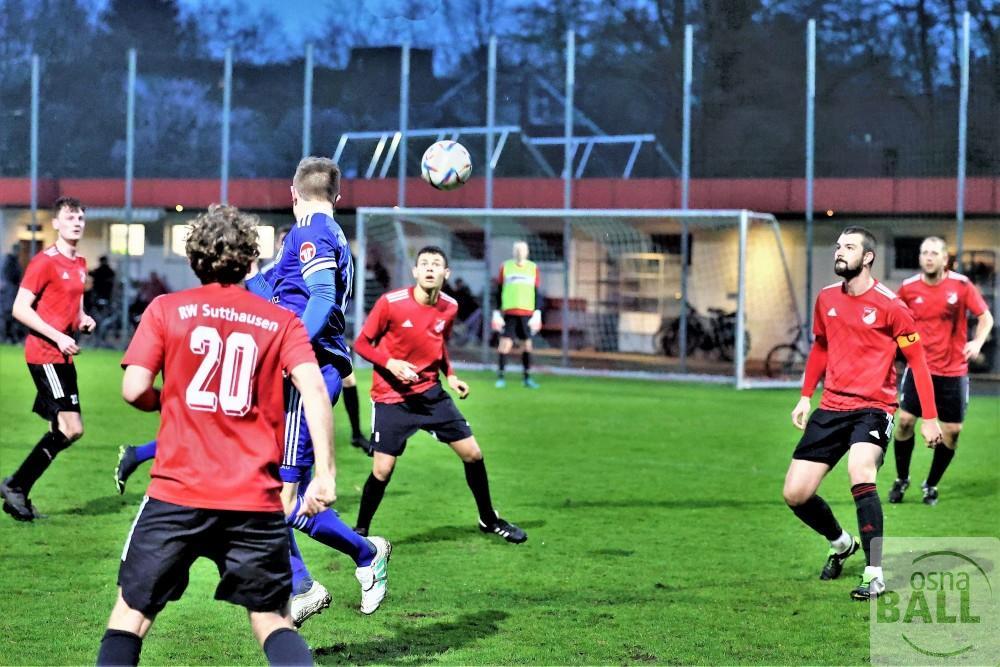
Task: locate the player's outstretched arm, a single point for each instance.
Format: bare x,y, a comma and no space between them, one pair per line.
138,389
365,345
815,368
86,322
916,359
26,315
983,328
322,299
322,490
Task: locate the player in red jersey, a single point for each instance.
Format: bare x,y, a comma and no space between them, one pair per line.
50,303
939,300
215,489
858,324
406,338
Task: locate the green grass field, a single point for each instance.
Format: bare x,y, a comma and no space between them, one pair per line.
657,534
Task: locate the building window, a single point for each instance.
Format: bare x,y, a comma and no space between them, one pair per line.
265,240
134,235
906,252
178,237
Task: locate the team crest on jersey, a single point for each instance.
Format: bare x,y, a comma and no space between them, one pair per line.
952,298
306,251
439,326
869,315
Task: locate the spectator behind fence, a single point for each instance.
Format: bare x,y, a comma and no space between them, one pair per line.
8,290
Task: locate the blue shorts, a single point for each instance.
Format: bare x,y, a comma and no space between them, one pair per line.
298,458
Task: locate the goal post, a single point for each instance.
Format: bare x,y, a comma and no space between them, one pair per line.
698,295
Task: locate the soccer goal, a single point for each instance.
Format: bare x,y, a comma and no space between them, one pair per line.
696,295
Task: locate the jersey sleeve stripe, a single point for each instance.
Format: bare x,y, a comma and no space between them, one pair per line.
958,276
448,298
832,285
319,266
911,279
884,291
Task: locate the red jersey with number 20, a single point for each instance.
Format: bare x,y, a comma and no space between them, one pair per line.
399,327
860,333
222,352
941,319
57,283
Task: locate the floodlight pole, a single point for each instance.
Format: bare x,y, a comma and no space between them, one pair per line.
35,80
227,99
129,182
361,250
810,163
963,117
491,111
568,186
307,96
404,119
685,190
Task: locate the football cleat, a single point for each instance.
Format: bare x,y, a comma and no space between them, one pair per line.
870,588
504,529
127,464
530,384
15,503
899,487
374,577
310,603
930,494
835,561
500,383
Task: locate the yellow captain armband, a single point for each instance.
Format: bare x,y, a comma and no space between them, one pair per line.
908,339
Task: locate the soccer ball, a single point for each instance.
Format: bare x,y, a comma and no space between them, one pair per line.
446,165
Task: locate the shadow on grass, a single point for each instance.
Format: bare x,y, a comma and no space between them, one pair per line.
415,644
457,533
110,504
678,504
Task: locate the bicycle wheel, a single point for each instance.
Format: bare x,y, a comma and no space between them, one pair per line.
785,362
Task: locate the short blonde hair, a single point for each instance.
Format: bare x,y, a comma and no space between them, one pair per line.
317,178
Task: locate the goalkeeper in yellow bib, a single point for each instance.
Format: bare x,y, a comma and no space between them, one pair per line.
519,317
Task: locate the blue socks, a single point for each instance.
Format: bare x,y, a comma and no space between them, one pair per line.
145,452
328,528
301,579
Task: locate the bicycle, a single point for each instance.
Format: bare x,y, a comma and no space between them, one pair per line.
787,361
715,332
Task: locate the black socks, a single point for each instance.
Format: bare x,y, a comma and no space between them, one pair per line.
119,647
39,459
816,514
869,519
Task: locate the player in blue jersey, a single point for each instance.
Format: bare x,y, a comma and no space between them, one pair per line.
312,275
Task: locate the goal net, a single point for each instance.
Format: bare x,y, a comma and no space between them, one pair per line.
697,294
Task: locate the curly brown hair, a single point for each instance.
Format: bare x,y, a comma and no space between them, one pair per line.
222,244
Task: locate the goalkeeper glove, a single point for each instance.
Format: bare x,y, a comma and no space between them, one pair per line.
535,323
497,322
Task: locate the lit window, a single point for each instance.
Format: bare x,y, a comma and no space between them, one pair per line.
136,235
178,237
265,241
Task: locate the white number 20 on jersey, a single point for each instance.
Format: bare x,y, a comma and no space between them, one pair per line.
238,357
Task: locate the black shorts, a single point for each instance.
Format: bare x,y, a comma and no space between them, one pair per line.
951,396
830,433
432,411
516,326
57,390
249,548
